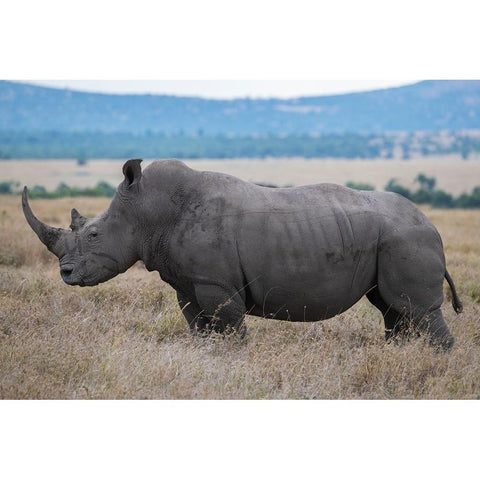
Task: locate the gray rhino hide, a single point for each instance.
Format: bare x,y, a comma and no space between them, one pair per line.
230,247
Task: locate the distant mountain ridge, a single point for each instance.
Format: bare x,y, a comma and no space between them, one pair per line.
431,105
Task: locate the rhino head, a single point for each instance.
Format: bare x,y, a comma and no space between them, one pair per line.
95,250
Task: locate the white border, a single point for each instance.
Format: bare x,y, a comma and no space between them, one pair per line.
238,40
252,39
234,439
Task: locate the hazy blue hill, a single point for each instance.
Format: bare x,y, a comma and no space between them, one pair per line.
424,106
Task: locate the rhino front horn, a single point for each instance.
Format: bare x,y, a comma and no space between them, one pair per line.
49,236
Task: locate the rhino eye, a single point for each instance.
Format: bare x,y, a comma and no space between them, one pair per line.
92,234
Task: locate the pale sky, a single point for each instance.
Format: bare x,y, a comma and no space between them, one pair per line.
225,89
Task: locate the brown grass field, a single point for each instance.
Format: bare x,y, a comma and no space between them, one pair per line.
127,339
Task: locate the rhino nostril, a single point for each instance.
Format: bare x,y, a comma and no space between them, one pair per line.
66,270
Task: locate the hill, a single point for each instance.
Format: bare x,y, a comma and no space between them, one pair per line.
425,106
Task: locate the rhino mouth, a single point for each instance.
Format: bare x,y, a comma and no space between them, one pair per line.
71,276
75,280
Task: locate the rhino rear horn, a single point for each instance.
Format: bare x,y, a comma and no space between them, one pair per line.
49,236
78,221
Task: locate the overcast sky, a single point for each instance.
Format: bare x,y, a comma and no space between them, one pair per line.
225,88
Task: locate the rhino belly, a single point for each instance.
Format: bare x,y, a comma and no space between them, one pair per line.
302,295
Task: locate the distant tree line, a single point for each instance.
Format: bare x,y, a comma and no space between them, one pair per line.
84,145
437,198
102,189
426,194
158,145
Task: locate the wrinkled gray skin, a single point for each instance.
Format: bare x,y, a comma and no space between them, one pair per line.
230,247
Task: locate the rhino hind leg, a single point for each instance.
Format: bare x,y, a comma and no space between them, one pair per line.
224,310
395,324
403,325
410,276
436,328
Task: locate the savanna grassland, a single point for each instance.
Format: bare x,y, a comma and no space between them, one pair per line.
452,174
127,338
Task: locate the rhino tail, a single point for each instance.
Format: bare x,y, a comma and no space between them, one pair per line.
457,304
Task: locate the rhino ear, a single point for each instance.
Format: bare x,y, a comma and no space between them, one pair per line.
132,172
78,221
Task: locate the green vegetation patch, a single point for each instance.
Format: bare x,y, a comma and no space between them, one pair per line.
427,194
102,189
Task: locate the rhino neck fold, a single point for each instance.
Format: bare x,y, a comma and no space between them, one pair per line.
154,255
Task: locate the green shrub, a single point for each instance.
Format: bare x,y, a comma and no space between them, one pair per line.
360,186
426,183
469,201
6,188
39,192
393,186
102,189
422,196
441,199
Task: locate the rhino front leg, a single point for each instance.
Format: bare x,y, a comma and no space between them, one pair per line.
193,313
225,310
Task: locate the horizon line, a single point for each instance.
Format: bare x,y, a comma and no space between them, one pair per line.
218,97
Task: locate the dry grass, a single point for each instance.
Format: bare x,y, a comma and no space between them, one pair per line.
127,338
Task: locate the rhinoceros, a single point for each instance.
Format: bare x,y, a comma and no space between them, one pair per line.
231,248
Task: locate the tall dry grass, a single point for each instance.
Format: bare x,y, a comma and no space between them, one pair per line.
127,338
